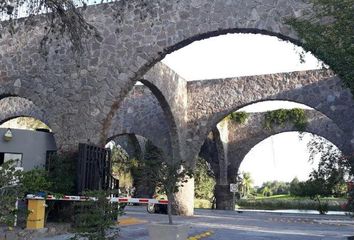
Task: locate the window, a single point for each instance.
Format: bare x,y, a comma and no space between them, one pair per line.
17,157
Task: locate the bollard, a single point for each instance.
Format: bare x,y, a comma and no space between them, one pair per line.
35,219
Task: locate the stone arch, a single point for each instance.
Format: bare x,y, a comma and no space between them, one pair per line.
173,25
319,89
241,138
14,106
170,90
131,143
249,134
167,112
136,146
134,35
141,113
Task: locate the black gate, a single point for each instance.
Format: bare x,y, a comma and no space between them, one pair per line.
94,169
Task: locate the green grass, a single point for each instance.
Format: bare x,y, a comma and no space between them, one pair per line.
202,203
275,197
289,202
279,202
289,197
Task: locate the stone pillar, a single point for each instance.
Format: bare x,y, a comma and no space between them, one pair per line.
184,199
224,198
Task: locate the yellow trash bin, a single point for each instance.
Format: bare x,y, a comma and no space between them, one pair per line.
35,219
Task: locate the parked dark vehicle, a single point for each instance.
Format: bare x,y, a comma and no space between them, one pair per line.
157,208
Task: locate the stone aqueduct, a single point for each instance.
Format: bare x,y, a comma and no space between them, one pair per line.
93,98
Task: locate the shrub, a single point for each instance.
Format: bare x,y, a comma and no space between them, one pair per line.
204,180
279,117
293,203
93,219
10,190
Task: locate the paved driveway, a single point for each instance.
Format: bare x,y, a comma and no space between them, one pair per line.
229,225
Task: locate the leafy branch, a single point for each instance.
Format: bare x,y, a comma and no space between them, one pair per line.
238,117
63,17
278,117
328,32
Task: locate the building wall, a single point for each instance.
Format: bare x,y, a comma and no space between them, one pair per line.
32,144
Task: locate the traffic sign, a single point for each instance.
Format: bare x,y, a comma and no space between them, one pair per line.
233,187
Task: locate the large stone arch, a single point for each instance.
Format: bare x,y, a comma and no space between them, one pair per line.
130,143
14,106
210,101
134,35
141,114
136,146
83,94
170,89
241,138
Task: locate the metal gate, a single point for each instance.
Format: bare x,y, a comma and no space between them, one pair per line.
94,169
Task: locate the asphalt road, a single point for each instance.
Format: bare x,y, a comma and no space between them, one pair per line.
230,225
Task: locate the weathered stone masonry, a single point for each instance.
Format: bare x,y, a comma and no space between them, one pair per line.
217,98
210,101
134,35
241,138
82,99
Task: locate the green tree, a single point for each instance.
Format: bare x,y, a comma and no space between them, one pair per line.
61,174
35,181
331,175
168,177
93,218
328,32
333,170
295,187
275,188
10,191
143,171
246,184
266,191
204,180
122,166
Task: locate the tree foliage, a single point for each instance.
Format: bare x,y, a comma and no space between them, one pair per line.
58,179
331,174
204,180
334,169
144,169
170,177
122,166
274,188
10,190
279,117
328,33
94,218
246,185
330,178
154,172
61,171
238,117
